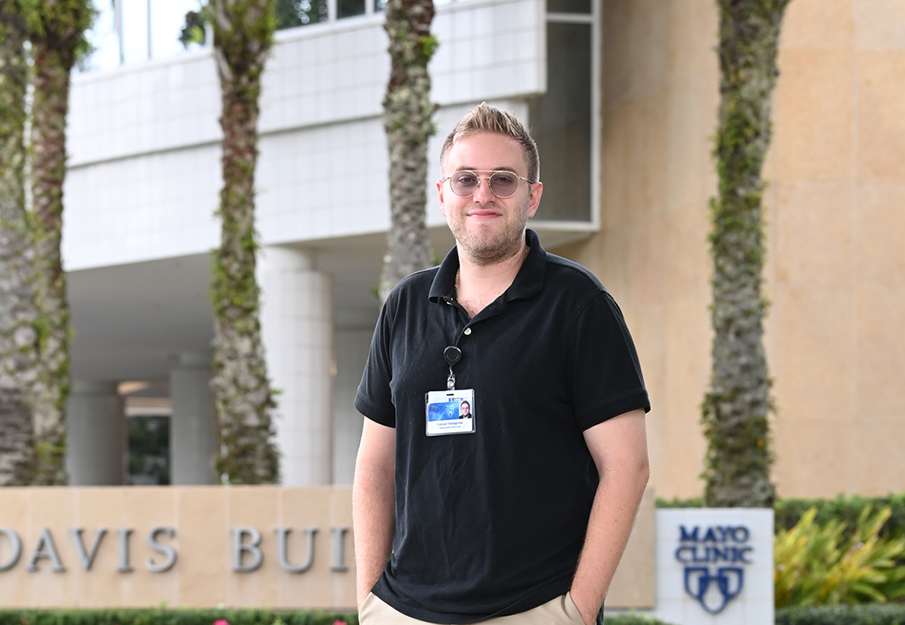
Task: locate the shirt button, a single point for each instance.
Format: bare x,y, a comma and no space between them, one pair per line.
467,331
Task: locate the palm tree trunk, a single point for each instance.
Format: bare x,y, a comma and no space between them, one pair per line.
735,411
18,356
48,141
243,30
407,122
56,31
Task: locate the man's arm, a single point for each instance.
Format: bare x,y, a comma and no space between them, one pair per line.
373,504
619,449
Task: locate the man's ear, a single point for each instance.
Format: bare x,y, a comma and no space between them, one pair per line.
537,190
440,187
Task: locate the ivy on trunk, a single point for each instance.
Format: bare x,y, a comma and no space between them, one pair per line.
407,112
735,410
18,352
56,30
243,32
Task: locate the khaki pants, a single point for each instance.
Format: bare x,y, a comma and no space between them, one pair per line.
558,611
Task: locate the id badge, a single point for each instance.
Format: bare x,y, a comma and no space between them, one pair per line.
449,412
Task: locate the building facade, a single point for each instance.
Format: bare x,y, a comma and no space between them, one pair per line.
622,97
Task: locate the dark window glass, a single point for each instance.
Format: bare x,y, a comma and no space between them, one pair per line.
561,124
350,8
292,13
569,6
378,5
149,451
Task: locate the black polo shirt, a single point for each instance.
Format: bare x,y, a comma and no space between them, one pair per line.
492,523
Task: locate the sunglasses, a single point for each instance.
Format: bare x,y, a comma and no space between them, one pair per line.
503,183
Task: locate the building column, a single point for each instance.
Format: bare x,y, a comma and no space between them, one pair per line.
193,434
297,328
95,434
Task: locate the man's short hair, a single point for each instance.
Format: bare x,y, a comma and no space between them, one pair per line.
486,118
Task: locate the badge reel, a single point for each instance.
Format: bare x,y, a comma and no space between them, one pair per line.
451,411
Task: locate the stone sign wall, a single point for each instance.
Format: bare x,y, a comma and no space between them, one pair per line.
280,547
206,546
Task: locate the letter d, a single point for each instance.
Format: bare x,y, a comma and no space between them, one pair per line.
15,548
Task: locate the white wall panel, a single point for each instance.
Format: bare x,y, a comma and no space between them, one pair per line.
157,206
143,108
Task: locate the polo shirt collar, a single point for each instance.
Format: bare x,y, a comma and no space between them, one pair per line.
528,283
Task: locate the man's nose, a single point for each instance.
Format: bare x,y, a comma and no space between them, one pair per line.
483,194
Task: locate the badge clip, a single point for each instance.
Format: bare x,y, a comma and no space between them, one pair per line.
451,355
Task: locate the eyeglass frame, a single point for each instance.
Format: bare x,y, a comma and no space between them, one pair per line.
476,172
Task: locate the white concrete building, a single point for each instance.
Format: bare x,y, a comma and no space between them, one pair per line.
143,184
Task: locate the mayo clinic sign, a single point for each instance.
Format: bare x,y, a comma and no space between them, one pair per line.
715,566
714,560
283,547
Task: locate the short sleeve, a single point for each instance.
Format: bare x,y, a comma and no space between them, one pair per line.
604,373
374,397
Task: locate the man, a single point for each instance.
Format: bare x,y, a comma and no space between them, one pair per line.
521,517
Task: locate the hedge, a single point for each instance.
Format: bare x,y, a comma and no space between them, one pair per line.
845,508
163,616
136,616
870,614
633,619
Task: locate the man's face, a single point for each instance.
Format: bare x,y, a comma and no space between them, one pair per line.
487,228
465,408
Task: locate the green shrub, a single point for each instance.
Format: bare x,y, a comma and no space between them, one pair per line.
135,616
675,502
633,619
211,617
843,508
846,509
827,564
842,615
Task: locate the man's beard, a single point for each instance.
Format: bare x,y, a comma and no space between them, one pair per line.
487,249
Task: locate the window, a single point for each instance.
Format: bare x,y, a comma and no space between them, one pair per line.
350,8
563,120
133,31
292,13
148,451
569,6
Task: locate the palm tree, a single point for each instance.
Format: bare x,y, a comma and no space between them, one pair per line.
18,356
735,410
407,112
56,30
243,32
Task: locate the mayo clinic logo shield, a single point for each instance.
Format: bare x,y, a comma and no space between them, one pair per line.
714,559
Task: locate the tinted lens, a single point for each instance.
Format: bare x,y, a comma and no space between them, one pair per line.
504,183
463,183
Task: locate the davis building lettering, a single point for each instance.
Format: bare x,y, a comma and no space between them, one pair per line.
714,559
45,548
246,549
248,555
